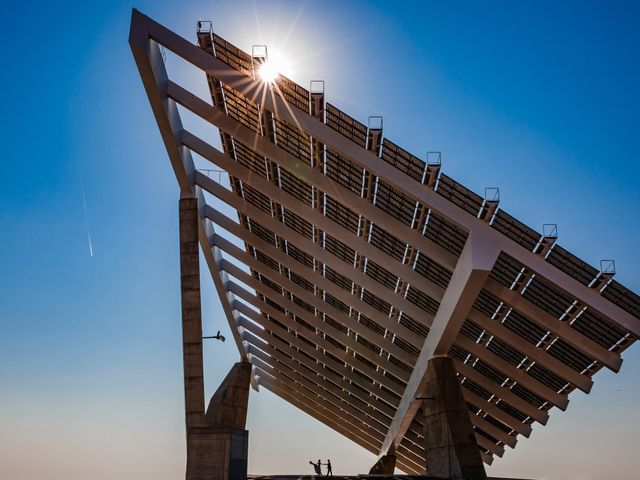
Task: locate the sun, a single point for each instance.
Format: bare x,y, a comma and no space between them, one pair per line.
268,72
276,64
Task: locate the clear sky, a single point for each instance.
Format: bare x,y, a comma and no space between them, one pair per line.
538,98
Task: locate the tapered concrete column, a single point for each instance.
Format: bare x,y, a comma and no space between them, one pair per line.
219,449
450,444
191,313
228,406
386,465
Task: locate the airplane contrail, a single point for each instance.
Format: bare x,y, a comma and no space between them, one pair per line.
86,222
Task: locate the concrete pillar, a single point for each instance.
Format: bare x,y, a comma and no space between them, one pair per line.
191,313
386,465
219,449
228,406
217,443
450,444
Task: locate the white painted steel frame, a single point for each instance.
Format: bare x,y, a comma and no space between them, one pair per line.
457,299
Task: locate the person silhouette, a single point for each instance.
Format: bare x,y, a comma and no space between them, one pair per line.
317,467
329,472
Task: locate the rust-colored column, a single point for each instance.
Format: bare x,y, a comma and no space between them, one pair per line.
191,313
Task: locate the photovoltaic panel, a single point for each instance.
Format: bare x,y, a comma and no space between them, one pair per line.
232,55
459,195
346,125
515,230
403,160
623,297
293,93
571,265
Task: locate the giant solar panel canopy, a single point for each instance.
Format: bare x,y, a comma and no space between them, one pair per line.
349,262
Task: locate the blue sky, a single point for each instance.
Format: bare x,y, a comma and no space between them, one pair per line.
538,98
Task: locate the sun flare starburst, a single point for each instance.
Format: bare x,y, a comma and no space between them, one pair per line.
276,64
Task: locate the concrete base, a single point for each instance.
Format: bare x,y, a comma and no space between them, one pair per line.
218,450
385,466
217,453
450,444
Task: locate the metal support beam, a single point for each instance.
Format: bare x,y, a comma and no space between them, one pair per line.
317,322
503,393
587,346
515,374
367,402
146,51
319,253
374,374
539,355
320,305
213,257
312,215
473,268
313,276
286,369
306,342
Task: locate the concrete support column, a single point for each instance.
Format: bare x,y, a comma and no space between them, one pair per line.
217,442
450,444
191,313
386,465
219,449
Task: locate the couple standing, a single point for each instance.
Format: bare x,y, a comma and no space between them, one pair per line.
318,467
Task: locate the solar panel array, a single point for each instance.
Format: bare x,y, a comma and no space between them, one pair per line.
346,273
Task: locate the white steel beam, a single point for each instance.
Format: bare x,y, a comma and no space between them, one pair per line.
539,355
501,392
143,29
502,333
587,346
313,215
320,304
313,176
275,348
348,372
144,38
518,375
490,408
344,381
321,411
329,419
309,274
449,210
349,322
288,369
473,268
155,79
314,249
313,407
417,191
213,257
413,455
610,359
348,342
527,381
582,381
